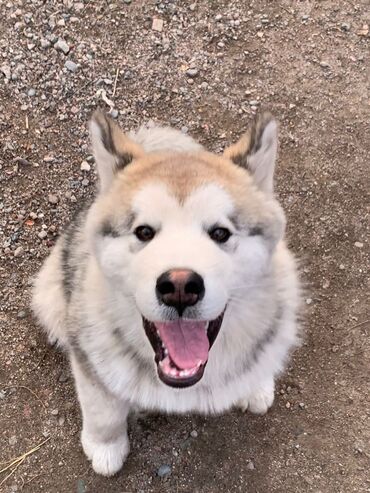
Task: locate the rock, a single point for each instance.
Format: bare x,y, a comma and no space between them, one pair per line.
164,471
192,72
44,43
63,377
251,466
85,166
114,114
18,252
345,26
358,244
157,25
53,199
13,440
61,45
54,412
71,66
324,64
308,301
85,182
42,235
5,69
31,92
218,17
194,434
22,314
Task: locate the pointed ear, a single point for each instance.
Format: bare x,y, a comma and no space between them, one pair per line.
256,151
112,149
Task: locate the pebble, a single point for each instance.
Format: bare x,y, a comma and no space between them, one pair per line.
164,471
85,166
54,412
13,440
192,72
358,244
61,45
194,434
53,199
43,234
5,69
324,64
85,182
157,25
308,301
31,92
18,252
71,66
251,466
287,405
301,405
114,114
342,267
44,43
63,377
345,26
22,314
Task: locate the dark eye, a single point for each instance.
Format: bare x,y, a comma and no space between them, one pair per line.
144,233
219,235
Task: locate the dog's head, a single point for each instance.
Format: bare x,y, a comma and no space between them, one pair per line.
183,235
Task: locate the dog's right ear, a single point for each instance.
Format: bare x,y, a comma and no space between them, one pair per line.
112,149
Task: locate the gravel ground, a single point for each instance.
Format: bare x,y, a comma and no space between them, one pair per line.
206,68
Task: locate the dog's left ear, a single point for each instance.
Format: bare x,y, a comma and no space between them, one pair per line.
256,151
112,149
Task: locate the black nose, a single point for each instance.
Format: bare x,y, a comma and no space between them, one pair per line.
180,288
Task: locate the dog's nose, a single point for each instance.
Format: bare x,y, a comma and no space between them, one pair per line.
180,288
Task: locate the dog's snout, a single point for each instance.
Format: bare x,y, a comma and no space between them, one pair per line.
180,288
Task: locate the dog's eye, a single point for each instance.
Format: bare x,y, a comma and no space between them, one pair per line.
144,233
219,235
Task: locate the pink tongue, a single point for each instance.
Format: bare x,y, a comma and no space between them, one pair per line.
186,341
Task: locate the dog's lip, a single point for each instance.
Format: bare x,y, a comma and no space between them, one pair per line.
178,381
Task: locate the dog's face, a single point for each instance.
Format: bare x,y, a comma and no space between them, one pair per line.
184,236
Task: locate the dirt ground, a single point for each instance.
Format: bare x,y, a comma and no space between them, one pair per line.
206,70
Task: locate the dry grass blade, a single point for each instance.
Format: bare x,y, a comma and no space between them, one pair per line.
29,390
19,460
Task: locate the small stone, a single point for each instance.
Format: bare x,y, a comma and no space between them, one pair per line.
345,26
18,252
157,25
192,6
54,412
63,377
42,235
71,66
324,64
184,129
2,395
114,114
342,267
61,45
308,301
22,314
164,471
218,17
192,72
194,434
13,440
31,92
85,182
287,405
5,69
44,43
53,199
358,244
85,166
61,420
301,405
49,158
46,434
251,466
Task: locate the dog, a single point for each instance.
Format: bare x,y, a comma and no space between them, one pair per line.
174,290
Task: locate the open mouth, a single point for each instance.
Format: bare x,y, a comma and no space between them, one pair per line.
181,348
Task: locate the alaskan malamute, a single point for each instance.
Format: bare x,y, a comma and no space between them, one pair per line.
174,290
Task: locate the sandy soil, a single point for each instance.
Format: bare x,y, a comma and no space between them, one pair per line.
207,69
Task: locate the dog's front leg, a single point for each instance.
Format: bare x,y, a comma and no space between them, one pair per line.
104,432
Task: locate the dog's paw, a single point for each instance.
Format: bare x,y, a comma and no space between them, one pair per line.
107,457
259,401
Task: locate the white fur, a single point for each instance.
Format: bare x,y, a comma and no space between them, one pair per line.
253,276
